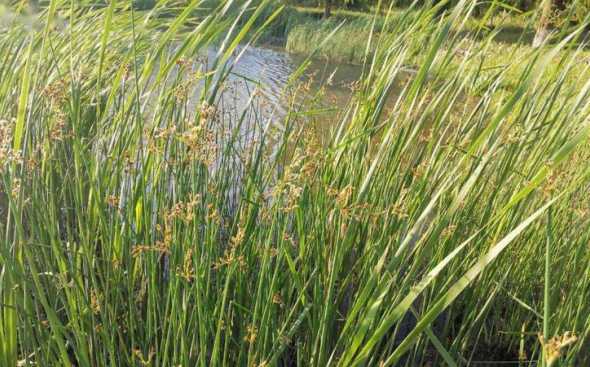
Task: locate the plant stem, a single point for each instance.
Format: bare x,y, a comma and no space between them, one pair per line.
547,290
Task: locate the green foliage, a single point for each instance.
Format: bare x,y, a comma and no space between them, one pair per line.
147,225
346,45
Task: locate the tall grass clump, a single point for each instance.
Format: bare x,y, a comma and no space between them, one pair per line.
147,223
347,45
306,28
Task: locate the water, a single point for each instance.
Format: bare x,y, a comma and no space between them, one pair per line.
266,73
271,68
258,93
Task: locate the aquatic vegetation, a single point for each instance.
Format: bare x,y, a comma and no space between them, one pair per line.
443,219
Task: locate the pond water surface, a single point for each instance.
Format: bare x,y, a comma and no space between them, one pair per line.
267,72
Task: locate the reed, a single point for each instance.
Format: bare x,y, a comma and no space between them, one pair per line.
147,225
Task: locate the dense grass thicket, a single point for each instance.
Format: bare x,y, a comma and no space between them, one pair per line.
302,28
444,220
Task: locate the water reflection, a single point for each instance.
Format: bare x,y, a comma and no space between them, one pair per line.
267,71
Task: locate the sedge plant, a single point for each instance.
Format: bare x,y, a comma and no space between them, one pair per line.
144,226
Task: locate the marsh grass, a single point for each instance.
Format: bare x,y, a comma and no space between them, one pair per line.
141,230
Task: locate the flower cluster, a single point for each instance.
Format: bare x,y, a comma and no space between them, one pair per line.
95,300
201,144
229,258
300,173
553,348
7,154
187,271
56,92
159,247
252,333
184,211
